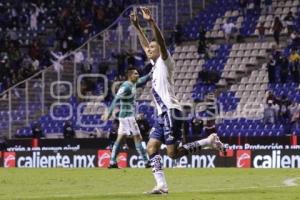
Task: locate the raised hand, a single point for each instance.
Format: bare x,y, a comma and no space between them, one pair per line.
146,13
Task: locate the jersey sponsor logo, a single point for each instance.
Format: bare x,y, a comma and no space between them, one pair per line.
243,158
9,159
121,91
103,158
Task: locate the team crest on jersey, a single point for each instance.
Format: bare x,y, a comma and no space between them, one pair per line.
170,138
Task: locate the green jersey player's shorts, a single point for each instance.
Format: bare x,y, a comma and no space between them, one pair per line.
128,126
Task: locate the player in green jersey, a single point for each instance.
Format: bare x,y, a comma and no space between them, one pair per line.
128,126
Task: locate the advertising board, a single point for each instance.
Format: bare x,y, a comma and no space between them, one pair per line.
90,158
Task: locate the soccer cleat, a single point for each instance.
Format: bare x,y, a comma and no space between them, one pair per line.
113,166
158,190
148,164
215,142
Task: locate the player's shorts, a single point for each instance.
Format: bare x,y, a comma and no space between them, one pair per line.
128,126
168,127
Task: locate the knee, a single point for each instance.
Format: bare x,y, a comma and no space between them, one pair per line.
137,138
151,149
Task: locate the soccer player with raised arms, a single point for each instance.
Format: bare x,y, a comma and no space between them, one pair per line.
168,125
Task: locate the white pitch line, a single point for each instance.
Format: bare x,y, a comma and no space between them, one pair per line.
291,181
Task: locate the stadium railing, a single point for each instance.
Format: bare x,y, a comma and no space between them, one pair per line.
36,96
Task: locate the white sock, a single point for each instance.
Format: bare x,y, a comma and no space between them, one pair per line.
204,142
160,179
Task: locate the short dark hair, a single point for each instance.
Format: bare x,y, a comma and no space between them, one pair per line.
130,70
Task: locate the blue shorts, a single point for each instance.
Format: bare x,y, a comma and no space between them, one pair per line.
168,127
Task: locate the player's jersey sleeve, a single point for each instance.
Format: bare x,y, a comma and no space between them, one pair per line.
170,62
143,80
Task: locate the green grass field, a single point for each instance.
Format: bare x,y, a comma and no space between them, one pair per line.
129,184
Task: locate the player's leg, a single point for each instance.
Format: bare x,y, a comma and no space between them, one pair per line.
140,149
122,132
173,131
153,148
115,151
212,141
134,129
156,139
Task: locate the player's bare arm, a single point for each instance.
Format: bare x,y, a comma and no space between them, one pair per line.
157,33
142,38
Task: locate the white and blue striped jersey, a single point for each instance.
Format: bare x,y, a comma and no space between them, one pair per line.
163,85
